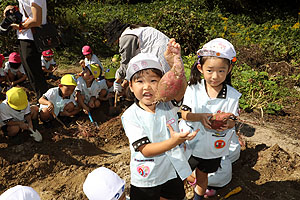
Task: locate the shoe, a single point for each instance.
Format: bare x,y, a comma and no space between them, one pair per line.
210,193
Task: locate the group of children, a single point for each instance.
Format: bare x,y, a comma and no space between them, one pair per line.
67,99
164,152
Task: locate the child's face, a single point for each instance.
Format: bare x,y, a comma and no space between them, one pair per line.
47,58
86,74
110,82
215,71
67,90
89,56
145,87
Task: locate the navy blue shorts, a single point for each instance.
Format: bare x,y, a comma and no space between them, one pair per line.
205,165
172,189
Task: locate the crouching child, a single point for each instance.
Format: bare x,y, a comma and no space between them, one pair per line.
16,113
59,100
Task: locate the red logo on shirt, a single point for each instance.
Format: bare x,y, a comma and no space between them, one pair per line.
219,144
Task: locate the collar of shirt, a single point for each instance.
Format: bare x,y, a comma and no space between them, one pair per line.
223,92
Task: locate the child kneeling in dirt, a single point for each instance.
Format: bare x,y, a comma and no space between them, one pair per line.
14,69
102,183
16,113
59,100
48,64
88,89
158,164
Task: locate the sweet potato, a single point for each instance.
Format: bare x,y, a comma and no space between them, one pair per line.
220,119
173,84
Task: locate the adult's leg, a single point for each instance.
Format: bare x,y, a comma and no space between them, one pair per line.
31,60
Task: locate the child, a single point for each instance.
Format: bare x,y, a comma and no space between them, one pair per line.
14,69
106,84
16,113
202,99
158,164
102,184
48,64
90,58
59,100
20,192
88,89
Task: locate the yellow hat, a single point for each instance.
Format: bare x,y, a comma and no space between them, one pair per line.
110,73
95,69
17,98
68,79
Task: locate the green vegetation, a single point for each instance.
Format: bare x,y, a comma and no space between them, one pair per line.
269,33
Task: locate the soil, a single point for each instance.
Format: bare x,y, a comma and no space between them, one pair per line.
268,168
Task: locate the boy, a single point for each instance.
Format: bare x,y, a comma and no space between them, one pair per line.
48,64
59,100
106,85
20,192
14,69
102,184
88,89
16,113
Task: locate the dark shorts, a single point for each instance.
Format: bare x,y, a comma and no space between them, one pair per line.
205,165
172,189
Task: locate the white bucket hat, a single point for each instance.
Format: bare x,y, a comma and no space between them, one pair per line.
218,47
142,61
103,184
21,193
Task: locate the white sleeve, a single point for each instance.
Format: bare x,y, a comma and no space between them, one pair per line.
52,62
187,100
50,95
6,67
133,131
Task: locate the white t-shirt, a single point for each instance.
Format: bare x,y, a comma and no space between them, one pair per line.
46,63
103,86
94,60
2,72
6,112
12,70
88,92
208,143
26,34
156,170
53,95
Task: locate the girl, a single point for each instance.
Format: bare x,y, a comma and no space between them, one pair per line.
202,99
90,58
158,164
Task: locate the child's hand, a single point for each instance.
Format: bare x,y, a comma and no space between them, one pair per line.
86,109
173,53
23,126
54,68
204,119
50,107
82,63
182,136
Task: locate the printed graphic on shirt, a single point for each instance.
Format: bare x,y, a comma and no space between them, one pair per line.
219,144
143,170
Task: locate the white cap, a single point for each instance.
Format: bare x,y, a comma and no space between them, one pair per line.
218,47
103,184
142,61
20,192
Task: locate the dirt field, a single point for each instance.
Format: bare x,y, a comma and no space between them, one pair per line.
269,166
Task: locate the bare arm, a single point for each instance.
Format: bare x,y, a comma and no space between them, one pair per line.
195,117
154,149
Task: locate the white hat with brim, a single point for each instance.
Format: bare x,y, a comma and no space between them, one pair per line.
142,61
20,192
218,47
103,184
